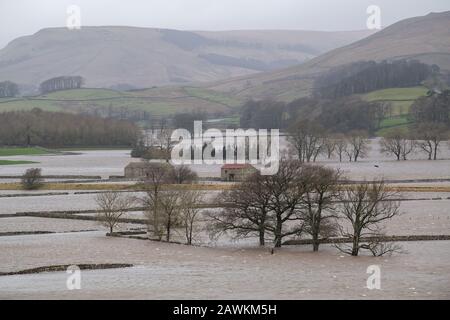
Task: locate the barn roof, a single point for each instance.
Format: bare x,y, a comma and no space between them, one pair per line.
140,164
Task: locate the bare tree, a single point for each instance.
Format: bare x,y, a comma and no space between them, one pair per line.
157,175
321,192
183,174
285,205
169,202
397,143
329,146
264,205
246,209
32,179
190,214
430,136
113,206
358,145
307,139
164,140
341,145
365,207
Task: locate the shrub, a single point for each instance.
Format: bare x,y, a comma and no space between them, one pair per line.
32,179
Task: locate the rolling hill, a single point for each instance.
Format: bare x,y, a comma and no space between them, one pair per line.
155,101
129,57
425,38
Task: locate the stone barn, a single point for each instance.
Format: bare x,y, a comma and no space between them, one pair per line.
136,170
236,172
139,170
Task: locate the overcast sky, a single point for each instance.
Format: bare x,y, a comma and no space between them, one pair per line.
24,17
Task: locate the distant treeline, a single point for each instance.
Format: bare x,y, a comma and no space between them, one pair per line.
57,129
8,89
61,83
337,115
341,115
367,76
434,108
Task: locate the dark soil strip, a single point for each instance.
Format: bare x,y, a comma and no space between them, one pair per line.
73,212
57,177
64,268
399,181
368,239
77,217
16,195
22,233
27,233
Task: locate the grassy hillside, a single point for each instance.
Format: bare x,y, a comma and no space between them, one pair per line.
425,38
156,101
130,57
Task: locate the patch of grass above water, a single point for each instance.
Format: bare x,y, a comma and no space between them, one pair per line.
14,162
19,151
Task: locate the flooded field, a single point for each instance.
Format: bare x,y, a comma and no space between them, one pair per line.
47,203
105,163
30,224
89,163
237,270
167,271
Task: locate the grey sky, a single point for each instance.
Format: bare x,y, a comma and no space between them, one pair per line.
24,17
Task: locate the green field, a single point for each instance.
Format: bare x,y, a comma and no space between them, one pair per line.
212,96
13,151
13,162
156,101
400,99
398,122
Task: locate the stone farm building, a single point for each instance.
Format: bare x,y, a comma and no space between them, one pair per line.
236,172
136,170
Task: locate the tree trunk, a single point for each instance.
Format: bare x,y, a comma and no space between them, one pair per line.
278,230
315,241
262,242
355,248
168,232
315,245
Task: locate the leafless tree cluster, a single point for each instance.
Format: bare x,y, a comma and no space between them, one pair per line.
425,137
306,200
309,140
430,137
181,174
169,210
112,207
397,143
296,200
364,207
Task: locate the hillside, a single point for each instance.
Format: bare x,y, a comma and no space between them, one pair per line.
425,38
156,101
129,57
